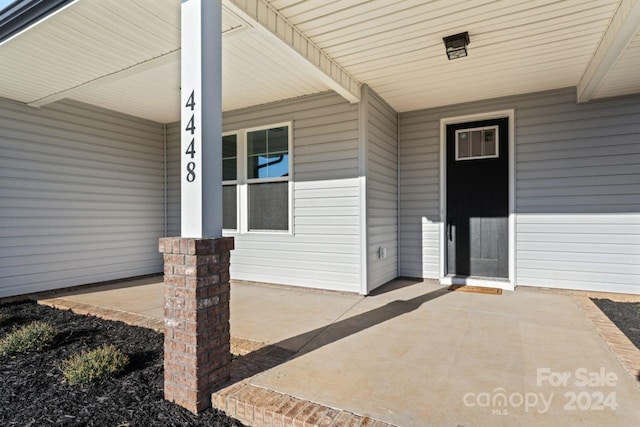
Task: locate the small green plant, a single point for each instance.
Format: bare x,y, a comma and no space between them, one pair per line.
95,366
3,318
36,336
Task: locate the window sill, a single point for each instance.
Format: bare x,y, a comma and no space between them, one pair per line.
235,233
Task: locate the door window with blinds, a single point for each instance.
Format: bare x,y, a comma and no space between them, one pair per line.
257,183
477,143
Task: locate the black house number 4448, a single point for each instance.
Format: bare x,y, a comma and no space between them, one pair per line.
191,128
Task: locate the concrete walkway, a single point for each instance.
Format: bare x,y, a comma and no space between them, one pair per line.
415,354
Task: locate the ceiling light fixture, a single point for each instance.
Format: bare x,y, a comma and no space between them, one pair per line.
456,45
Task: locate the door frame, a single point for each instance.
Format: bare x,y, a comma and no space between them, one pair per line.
444,122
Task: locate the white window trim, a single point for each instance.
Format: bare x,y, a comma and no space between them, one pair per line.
471,157
242,182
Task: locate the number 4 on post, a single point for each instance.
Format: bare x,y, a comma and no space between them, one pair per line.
191,102
191,149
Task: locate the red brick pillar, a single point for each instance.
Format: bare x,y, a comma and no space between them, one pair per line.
197,352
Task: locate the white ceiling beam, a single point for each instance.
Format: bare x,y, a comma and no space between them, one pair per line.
173,56
279,31
622,27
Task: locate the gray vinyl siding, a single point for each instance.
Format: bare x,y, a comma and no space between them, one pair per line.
577,190
324,249
81,196
173,180
382,191
419,194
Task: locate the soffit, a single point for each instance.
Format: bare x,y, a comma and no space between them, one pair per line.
85,41
125,56
396,46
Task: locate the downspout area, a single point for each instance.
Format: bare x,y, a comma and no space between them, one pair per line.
166,202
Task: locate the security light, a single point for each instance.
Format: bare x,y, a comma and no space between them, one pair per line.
456,45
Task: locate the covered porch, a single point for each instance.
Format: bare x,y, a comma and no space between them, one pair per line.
411,354
96,155
98,116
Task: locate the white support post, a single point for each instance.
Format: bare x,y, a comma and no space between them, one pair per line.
201,118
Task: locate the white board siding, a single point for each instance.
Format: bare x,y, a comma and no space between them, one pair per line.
382,191
81,196
577,190
324,250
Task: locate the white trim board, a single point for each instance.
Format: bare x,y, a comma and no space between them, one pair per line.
511,116
363,132
282,34
476,281
623,26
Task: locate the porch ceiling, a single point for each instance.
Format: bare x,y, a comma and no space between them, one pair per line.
125,55
516,46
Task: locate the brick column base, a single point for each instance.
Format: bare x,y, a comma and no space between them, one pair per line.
197,351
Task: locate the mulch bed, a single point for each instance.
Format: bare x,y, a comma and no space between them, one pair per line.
625,315
34,393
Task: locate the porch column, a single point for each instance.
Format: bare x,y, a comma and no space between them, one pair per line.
196,265
197,351
201,119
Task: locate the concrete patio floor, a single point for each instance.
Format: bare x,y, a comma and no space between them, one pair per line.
415,354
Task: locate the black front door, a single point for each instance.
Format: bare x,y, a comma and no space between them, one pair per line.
477,229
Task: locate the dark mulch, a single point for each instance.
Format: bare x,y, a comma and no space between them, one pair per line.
625,315
33,391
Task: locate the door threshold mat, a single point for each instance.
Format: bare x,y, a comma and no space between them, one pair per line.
476,289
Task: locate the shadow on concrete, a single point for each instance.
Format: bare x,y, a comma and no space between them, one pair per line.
395,284
273,355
